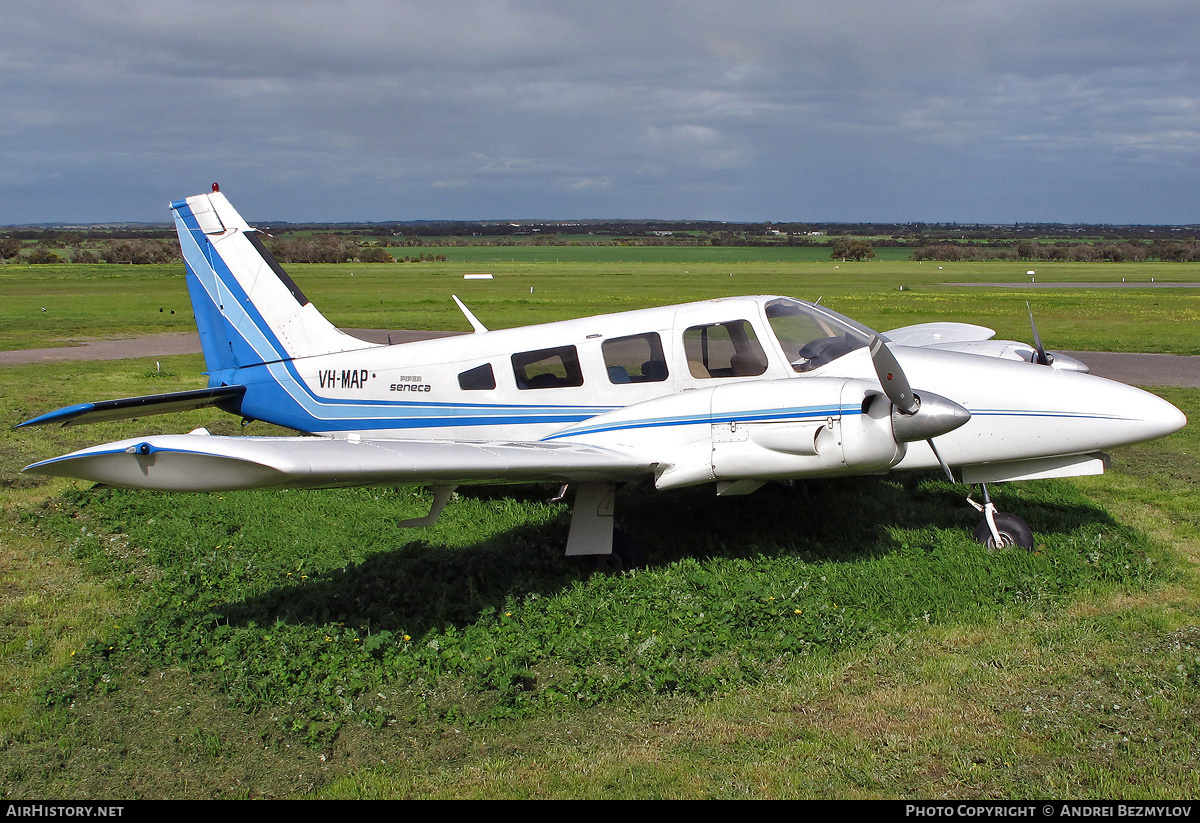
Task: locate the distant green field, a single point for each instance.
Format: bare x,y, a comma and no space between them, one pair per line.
44,306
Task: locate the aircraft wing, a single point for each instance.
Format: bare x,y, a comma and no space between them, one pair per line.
930,334
203,462
224,397
971,339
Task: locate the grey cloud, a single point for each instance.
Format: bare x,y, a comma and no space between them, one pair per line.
993,110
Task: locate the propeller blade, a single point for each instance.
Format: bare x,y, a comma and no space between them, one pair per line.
891,376
942,460
1043,359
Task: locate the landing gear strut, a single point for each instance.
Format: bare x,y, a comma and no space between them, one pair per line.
999,529
593,530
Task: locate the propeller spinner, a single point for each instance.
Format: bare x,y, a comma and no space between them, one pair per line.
914,417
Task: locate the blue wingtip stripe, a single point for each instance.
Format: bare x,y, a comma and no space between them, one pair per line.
57,414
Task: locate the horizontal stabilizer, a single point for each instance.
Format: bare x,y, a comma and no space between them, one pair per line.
202,462
226,398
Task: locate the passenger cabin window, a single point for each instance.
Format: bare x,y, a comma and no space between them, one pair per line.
547,368
480,378
635,359
724,350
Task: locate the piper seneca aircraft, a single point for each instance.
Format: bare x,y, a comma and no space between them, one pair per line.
737,392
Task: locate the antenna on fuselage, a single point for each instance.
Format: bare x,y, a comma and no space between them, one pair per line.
472,319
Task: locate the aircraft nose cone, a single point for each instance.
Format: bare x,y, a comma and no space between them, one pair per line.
1159,418
1139,415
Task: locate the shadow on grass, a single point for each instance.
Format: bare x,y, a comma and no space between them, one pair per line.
419,586
837,519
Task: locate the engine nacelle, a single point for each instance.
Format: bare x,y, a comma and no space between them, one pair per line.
800,428
764,430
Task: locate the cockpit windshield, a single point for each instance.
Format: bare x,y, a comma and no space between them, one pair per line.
811,335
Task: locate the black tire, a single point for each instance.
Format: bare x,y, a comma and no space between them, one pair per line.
1013,532
627,554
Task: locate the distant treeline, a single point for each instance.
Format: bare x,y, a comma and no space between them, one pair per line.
317,248
352,245
65,236
1129,251
711,232
133,251
338,248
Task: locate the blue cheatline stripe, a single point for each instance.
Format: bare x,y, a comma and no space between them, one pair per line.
271,401
760,416
1062,414
800,413
284,396
98,452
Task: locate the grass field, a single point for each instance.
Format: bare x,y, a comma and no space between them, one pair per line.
843,641
111,300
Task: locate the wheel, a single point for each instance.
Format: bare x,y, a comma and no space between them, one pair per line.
627,554
1013,532
801,489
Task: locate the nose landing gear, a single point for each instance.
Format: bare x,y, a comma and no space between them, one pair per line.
1000,529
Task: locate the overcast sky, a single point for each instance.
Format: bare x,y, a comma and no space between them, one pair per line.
991,111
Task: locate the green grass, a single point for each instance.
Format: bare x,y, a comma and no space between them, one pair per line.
111,300
848,642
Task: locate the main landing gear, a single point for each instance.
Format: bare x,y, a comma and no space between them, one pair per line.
1000,529
593,529
627,554
594,533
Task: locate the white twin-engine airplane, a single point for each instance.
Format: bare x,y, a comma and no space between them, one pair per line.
736,391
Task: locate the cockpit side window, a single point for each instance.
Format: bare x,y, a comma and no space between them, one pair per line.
637,358
812,336
729,349
547,368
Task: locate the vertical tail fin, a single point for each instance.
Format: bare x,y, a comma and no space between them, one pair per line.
248,310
